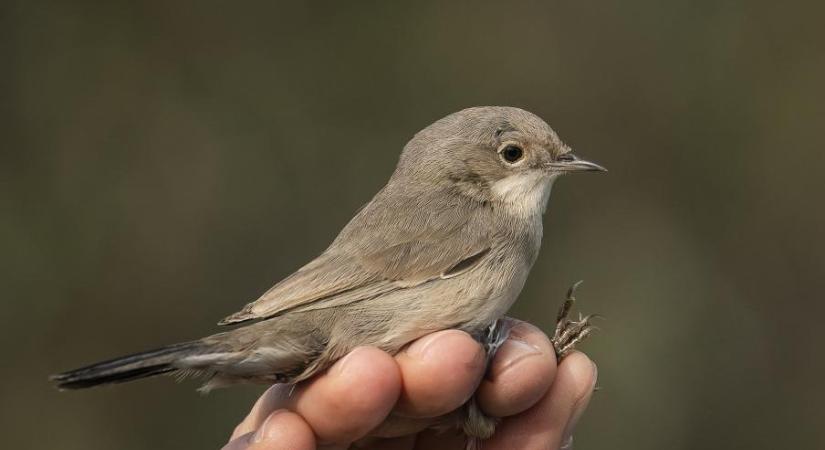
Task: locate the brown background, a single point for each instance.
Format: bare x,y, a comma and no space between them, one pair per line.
165,162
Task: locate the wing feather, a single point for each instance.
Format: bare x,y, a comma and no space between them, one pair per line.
382,249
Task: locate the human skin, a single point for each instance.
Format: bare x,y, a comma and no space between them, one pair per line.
369,392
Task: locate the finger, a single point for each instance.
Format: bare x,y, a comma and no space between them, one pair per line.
578,410
440,372
351,398
549,422
281,430
520,374
275,397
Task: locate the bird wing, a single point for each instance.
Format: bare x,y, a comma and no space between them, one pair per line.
381,250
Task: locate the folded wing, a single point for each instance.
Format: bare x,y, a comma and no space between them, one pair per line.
382,249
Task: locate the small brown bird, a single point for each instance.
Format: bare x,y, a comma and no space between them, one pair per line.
447,243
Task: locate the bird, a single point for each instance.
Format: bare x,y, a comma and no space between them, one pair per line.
447,243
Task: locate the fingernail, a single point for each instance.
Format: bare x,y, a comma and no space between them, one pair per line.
265,430
511,353
422,347
578,409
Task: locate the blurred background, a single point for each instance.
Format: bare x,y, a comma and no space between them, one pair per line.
163,163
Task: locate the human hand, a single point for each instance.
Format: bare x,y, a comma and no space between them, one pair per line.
372,400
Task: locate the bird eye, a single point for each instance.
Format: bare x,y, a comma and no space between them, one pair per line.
512,153
567,157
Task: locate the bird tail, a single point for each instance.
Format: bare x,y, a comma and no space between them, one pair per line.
128,368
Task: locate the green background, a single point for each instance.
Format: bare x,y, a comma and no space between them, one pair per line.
163,163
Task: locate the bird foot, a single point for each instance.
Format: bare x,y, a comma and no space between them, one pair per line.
570,332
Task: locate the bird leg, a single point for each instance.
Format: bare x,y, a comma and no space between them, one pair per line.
477,425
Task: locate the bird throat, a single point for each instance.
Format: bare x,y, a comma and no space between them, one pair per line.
524,195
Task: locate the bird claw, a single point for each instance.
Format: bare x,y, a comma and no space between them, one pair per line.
569,332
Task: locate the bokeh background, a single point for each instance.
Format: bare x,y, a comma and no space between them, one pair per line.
163,163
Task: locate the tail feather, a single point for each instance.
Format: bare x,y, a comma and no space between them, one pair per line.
127,368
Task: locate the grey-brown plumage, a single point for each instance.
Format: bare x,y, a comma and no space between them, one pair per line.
447,243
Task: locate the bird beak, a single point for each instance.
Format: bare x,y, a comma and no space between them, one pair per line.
574,164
